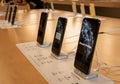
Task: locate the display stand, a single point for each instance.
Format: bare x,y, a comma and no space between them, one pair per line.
75,13
44,45
82,9
6,24
49,9
64,55
94,69
60,56
74,9
93,12
52,7
15,26
93,74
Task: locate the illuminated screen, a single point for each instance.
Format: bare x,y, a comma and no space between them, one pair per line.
86,44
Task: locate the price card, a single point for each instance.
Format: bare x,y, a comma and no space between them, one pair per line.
53,70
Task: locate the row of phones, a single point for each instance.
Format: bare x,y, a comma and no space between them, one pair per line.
47,6
86,43
11,14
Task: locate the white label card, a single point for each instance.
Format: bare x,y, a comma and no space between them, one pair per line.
53,70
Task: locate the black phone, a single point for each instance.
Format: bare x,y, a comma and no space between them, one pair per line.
59,35
10,14
86,44
14,15
46,5
42,27
7,10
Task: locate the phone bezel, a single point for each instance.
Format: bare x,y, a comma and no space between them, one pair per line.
57,50
77,63
40,39
14,15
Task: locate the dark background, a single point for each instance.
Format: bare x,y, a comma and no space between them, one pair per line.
102,11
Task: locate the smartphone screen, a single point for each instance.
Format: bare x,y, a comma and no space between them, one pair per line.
6,15
59,35
42,27
14,15
10,13
86,44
